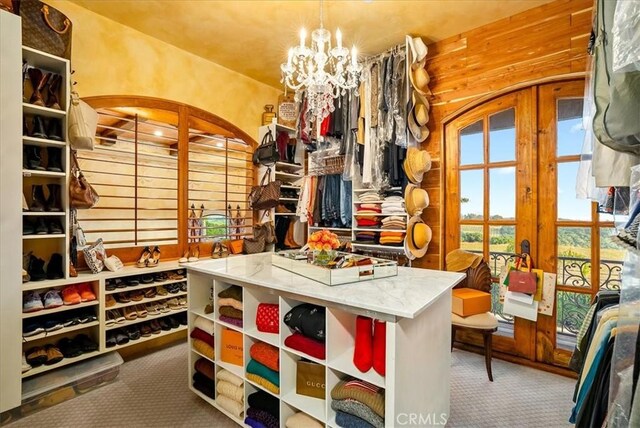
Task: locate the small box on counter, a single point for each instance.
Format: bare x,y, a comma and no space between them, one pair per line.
468,301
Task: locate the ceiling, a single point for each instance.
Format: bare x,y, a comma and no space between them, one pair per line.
252,37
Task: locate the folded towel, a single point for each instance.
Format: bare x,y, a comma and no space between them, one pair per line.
264,401
261,370
364,392
302,420
393,198
234,407
358,409
266,354
233,321
393,218
227,376
259,380
205,367
236,393
236,304
197,333
230,312
307,345
346,420
233,292
253,423
205,325
263,417
204,348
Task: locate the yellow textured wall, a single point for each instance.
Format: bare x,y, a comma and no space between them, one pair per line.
113,59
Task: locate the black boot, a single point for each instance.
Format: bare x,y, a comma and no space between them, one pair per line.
41,227
54,130
38,128
37,198
27,227
55,228
25,127
33,158
36,269
54,201
25,155
54,162
54,268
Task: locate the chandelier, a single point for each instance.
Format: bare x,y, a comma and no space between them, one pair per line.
323,71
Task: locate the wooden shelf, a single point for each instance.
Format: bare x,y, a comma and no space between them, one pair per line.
145,300
303,355
43,214
45,236
36,173
141,320
43,111
36,58
344,364
144,339
64,362
62,331
214,404
314,407
287,165
270,338
289,199
378,246
289,175
236,370
42,142
231,326
62,308
284,128
290,186
262,388
202,355
143,286
200,313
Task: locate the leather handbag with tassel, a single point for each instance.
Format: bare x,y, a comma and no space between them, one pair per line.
81,194
44,28
266,195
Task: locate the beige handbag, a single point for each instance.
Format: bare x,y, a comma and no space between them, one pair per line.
83,122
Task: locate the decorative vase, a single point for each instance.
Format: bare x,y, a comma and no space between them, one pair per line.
323,257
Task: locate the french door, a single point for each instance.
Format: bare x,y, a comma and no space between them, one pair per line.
512,164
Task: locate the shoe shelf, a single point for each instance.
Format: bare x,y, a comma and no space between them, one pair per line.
62,308
290,186
64,362
44,60
42,214
139,320
42,142
143,339
38,173
145,300
280,127
289,175
45,236
289,199
59,332
43,111
143,286
288,166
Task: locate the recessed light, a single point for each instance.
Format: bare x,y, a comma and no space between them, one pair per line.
219,144
158,133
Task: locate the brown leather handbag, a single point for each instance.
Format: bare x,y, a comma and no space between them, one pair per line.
266,195
81,194
44,28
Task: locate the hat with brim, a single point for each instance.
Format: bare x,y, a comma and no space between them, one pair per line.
417,73
461,260
416,199
416,164
418,117
418,238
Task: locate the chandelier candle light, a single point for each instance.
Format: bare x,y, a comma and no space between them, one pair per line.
324,72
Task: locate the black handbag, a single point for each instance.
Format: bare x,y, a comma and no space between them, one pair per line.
267,152
44,28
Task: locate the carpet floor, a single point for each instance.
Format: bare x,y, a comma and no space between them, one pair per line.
152,391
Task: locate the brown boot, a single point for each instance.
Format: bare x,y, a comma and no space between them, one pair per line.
38,81
53,90
37,198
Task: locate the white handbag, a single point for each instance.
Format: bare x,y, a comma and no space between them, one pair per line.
83,122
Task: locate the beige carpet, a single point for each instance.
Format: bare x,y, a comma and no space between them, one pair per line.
152,392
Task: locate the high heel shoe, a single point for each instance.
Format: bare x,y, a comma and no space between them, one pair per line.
195,255
155,257
224,251
184,258
144,257
215,252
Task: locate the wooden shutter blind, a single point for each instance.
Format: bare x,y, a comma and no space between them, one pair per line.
220,175
134,169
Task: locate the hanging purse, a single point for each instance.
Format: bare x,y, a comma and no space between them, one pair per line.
83,122
267,152
522,280
44,28
266,195
266,230
81,194
253,245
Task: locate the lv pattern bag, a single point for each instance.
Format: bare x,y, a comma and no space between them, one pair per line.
265,230
44,28
266,195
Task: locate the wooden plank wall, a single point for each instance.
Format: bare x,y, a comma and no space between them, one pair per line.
543,42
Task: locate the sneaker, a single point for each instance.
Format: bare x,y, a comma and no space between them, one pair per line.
52,299
52,324
32,302
86,292
25,366
31,329
70,295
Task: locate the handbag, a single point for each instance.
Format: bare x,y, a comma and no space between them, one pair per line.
267,152
253,245
265,230
310,379
44,28
81,194
83,122
266,195
268,318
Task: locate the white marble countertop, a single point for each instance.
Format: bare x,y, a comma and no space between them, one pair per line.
405,295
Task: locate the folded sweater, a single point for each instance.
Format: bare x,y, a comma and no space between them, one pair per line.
302,420
307,345
233,292
230,312
261,370
233,321
206,368
203,348
253,423
204,324
236,304
197,333
345,420
358,409
236,393
265,418
227,376
259,380
364,392
232,406
266,354
264,401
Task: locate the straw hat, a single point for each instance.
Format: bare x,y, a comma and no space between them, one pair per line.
416,242
461,260
418,117
416,199
416,164
417,57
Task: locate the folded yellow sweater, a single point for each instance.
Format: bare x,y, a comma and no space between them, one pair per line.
263,382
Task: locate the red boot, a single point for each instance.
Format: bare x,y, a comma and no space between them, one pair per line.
379,346
362,354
